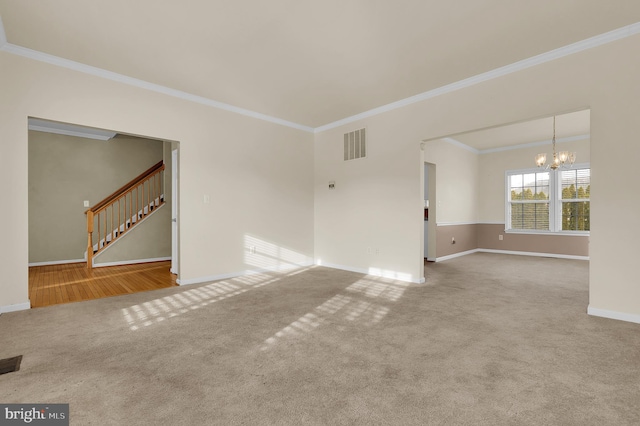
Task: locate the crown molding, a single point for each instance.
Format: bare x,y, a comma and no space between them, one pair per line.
109,75
531,144
47,126
552,55
459,144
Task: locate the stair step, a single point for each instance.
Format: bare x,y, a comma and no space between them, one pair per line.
142,214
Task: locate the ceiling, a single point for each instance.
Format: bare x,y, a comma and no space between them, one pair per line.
540,131
308,62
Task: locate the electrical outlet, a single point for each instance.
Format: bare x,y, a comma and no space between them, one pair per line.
377,251
500,237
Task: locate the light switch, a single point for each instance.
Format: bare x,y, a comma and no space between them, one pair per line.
206,199
86,203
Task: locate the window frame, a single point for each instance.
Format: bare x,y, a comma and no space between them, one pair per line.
555,201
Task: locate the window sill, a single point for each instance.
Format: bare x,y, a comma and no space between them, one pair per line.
562,233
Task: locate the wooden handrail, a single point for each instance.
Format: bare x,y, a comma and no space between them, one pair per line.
146,201
125,188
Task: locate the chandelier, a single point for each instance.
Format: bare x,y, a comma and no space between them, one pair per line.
562,159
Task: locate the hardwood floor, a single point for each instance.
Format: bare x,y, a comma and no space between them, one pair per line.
51,285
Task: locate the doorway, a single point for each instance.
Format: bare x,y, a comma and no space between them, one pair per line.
429,211
474,205
73,167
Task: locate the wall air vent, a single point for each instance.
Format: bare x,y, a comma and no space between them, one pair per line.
355,145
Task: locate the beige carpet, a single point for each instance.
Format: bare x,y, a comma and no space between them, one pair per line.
488,340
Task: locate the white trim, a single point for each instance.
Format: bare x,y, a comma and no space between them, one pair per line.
15,308
109,75
58,262
375,272
552,55
174,211
47,126
343,267
210,278
68,133
453,256
520,253
459,144
621,316
131,262
531,144
542,58
554,201
519,231
533,253
431,259
3,35
562,233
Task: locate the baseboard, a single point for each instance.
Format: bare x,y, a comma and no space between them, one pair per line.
621,316
210,278
453,256
400,276
15,308
131,262
531,253
57,262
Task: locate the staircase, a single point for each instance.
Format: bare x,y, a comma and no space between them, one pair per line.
113,217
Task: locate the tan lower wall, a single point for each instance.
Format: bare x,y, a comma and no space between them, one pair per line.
466,237
488,238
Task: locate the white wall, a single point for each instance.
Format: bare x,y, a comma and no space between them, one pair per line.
362,223
259,175
456,181
603,78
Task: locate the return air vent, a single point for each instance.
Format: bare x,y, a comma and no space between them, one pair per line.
355,145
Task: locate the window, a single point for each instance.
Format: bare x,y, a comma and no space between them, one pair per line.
529,201
548,201
576,189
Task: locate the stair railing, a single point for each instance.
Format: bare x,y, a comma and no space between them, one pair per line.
112,217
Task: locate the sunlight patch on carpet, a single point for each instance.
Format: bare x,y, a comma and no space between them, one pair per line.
158,310
355,306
